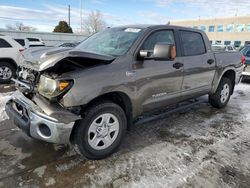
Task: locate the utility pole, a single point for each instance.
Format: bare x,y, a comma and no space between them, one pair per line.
81,14
69,16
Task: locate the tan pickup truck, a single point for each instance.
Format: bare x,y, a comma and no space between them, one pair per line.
89,95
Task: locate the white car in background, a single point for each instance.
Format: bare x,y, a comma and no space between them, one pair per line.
30,42
10,52
225,48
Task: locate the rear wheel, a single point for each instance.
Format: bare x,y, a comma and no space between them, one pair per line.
7,71
222,95
100,132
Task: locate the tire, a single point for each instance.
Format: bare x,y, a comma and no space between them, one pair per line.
7,71
223,93
100,133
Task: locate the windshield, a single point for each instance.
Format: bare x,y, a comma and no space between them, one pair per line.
114,42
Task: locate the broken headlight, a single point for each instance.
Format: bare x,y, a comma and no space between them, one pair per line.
51,88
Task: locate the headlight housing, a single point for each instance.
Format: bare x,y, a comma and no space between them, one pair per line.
51,88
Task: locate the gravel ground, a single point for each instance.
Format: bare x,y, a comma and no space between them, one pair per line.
196,147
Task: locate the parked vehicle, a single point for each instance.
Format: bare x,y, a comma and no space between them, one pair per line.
30,42
68,44
225,48
35,42
90,95
10,52
246,58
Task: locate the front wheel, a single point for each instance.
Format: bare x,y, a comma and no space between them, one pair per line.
100,132
222,95
7,71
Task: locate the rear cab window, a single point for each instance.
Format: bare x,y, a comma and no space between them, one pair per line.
192,43
4,44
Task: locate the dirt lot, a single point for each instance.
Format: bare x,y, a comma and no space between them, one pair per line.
198,146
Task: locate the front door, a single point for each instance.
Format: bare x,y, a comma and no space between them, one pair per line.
158,82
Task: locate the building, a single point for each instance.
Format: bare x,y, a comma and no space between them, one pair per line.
50,39
230,30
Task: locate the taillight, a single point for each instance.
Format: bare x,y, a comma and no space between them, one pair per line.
243,59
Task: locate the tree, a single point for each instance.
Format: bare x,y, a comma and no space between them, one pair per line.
94,22
19,26
63,27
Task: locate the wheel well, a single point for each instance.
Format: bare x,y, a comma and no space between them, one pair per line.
117,97
11,61
230,74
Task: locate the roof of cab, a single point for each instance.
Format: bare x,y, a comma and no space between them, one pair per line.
145,26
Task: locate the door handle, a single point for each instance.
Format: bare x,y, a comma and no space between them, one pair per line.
131,73
210,61
178,65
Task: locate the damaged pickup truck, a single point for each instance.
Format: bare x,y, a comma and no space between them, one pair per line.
89,95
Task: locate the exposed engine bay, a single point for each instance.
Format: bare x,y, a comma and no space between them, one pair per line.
29,72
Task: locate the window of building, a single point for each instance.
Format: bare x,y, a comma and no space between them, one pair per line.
211,28
203,28
237,44
248,27
227,42
220,28
230,28
218,42
195,27
4,44
192,43
240,27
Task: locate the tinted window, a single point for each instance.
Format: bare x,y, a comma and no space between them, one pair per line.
230,28
246,51
20,41
220,28
166,36
33,40
211,28
192,43
227,42
203,28
240,27
4,44
248,27
237,44
218,42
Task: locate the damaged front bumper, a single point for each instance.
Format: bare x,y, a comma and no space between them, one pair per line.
40,119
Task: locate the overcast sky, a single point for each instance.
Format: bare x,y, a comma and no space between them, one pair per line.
45,14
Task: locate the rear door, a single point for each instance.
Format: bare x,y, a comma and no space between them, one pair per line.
199,64
158,82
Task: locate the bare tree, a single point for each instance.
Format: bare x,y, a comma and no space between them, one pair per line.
18,26
94,22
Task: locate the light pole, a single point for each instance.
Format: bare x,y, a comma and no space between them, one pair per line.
81,14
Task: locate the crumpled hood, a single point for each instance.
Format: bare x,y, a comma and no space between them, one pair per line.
43,58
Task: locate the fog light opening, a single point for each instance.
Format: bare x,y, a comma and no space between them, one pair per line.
44,130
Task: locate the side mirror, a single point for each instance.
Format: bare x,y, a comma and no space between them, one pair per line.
164,51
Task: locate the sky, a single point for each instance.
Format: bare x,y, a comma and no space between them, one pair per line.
45,14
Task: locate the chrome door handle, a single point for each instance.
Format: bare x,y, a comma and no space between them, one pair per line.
130,73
